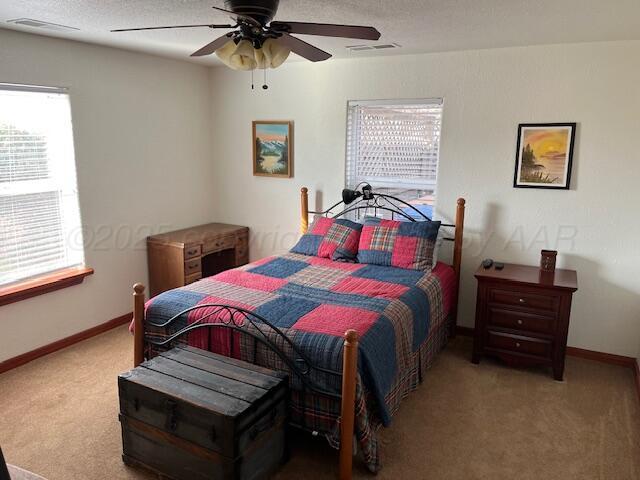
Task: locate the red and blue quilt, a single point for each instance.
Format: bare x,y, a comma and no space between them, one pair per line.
399,315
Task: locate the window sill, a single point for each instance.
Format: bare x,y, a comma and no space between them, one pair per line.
43,284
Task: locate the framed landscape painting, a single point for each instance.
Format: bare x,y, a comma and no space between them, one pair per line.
544,155
272,148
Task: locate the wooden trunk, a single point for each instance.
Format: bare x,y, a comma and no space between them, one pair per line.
189,414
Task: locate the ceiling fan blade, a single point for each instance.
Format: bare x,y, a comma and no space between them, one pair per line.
173,26
327,30
250,20
304,49
209,48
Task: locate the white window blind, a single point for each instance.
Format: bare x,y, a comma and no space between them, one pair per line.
394,146
39,213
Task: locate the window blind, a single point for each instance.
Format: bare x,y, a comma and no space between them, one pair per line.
394,145
39,213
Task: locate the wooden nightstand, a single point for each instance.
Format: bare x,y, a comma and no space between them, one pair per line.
522,315
184,256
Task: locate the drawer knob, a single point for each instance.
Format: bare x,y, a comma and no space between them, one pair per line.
522,300
519,322
518,344
192,252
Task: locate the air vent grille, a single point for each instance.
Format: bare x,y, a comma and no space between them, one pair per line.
30,22
380,46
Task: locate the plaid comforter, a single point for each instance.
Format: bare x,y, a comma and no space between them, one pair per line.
399,315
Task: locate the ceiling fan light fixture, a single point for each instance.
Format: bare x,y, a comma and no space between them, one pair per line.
272,54
237,57
244,56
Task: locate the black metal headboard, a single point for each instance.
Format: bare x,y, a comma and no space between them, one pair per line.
354,201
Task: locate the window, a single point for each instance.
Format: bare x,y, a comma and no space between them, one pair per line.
39,214
394,146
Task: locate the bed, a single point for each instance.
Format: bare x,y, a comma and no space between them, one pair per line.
355,338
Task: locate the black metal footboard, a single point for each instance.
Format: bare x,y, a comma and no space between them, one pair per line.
240,321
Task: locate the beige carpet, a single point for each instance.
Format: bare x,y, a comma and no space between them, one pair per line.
58,418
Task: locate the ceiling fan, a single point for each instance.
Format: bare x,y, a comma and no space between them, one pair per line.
255,29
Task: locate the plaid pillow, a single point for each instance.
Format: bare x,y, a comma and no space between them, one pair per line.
398,244
332,238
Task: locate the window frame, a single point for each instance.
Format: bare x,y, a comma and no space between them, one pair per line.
409,184
48,281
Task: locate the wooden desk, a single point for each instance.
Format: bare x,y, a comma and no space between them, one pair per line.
522,315
184,256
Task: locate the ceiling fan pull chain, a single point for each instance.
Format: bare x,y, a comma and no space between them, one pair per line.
265,86
251,79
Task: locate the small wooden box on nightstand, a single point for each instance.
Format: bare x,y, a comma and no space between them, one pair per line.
522,315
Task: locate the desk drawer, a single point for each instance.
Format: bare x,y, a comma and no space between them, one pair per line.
218,244
192,278
242,248
519,344
517,320
191,251
192,266
537,301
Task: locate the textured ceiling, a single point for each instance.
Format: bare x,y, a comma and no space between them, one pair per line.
417,25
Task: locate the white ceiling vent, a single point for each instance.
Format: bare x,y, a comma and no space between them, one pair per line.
30,22
380,46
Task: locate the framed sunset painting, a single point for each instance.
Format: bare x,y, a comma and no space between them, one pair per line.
272,148
544,155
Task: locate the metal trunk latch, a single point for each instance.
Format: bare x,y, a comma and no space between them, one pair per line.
172,415
267,423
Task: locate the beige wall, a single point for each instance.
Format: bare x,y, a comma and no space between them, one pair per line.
142,128
487,93
163,144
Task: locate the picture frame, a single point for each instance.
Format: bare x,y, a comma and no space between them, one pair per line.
544,155
273,148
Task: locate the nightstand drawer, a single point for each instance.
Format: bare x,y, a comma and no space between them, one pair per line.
517,320
219,244
192,266
523,299
519,344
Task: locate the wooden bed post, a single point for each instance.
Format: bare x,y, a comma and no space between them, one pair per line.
304,210
138,324
457,261
347,412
